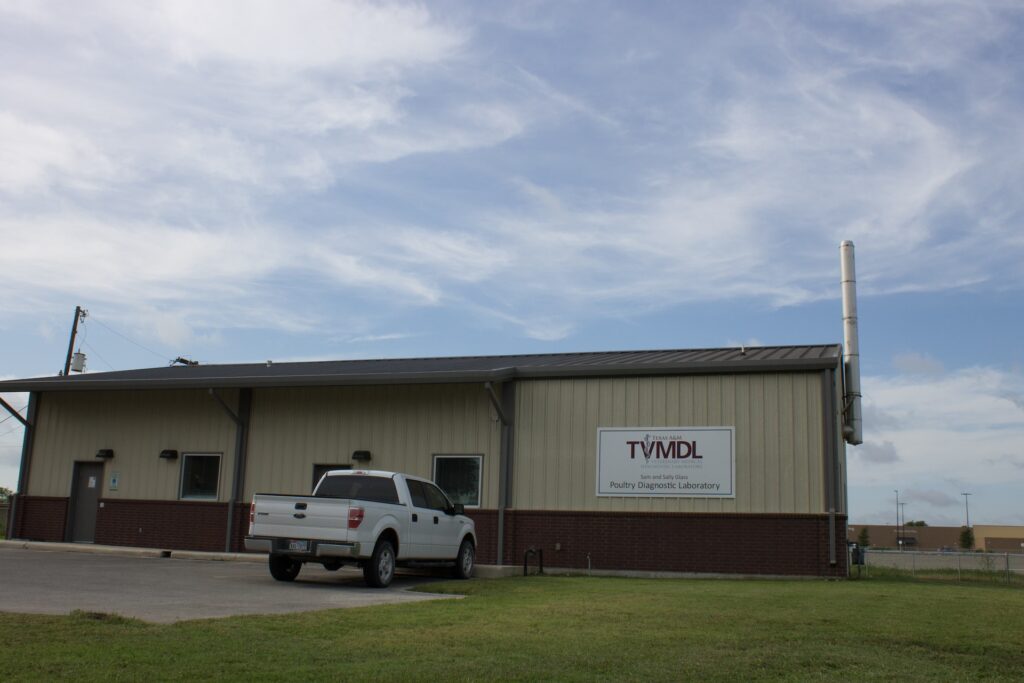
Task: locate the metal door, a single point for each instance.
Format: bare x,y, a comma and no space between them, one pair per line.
85,499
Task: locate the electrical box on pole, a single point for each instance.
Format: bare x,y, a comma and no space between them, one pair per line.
75,359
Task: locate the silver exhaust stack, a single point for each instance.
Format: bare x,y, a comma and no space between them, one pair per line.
852,429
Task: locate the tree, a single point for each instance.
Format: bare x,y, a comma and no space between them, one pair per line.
864,539
967,538
919,522
5,493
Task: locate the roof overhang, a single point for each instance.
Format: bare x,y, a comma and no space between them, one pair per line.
278,375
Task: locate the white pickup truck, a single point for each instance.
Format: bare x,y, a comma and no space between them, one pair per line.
376,520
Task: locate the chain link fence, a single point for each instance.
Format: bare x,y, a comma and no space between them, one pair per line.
987,567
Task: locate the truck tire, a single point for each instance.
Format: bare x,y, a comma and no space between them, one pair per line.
465,559
379,571
284,568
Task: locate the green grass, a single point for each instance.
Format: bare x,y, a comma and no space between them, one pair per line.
560,628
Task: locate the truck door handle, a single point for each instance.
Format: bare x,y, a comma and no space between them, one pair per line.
415,517
435,519
300,506
299,515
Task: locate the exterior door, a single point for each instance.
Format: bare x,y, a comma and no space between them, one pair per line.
85,499
446,526
420,523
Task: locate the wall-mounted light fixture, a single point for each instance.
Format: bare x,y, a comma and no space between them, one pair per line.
105,453
169,454
361,456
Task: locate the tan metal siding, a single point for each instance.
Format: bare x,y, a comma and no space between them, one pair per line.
402,426
137,425
778,420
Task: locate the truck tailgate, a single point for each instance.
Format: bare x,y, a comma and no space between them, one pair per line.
301,517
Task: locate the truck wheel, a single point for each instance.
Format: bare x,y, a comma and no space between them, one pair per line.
379,571
284,568
464,561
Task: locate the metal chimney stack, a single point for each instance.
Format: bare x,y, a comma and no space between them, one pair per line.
852,429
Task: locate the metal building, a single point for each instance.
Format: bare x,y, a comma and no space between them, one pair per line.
711,461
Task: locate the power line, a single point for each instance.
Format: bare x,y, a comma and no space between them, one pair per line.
10,416
130,340
105,362
10,431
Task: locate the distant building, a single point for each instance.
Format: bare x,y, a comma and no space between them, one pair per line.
986,537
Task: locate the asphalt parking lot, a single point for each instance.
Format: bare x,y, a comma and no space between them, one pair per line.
165,590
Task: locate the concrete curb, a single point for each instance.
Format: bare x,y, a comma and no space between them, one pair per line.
483,571
132,552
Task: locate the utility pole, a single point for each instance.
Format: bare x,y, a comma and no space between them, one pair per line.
967,509
80,314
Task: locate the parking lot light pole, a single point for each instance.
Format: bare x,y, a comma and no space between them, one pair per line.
967,509
898,544
903,525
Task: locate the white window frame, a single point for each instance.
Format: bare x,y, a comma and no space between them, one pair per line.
479,476
181,476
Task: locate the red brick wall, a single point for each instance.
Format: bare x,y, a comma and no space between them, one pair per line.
241,527
175,525
678,542
41,518
486,535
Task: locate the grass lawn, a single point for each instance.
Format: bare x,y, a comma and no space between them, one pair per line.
562,628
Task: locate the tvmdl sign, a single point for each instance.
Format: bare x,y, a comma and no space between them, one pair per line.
675,462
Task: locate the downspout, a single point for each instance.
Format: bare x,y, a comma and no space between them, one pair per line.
829,447
241,420
505,409
27,441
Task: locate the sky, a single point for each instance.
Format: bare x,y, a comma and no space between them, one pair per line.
249,180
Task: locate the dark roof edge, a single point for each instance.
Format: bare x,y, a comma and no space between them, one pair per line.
82,383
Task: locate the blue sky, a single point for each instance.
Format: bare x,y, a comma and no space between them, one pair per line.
241,181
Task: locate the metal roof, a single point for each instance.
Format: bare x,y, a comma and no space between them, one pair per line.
453,369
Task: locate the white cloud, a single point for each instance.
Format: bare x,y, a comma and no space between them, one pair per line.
356,36
914,363
34,156
958,425
931,497
877,453
391,336
195,115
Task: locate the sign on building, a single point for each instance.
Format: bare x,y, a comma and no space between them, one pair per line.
679,462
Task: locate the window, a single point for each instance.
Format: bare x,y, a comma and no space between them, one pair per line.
435,499
199,476
359,487
427,496
419,498
320,470
459,476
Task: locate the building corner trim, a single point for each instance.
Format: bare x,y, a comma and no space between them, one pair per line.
27,444
241,421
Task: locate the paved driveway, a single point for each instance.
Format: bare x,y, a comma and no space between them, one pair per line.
166,590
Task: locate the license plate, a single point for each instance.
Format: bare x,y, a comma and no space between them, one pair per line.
301,546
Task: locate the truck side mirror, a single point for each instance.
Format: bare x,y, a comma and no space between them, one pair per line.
458,509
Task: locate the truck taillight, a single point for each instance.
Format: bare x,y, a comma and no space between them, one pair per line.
355,517
252,512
